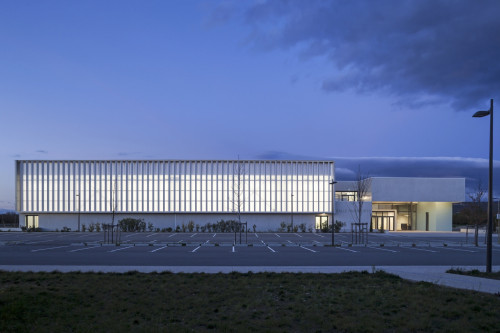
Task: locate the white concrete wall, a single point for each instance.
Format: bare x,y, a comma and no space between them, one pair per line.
344,212
401,189
440,216
263,222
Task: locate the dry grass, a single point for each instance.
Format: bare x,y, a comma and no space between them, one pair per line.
84,302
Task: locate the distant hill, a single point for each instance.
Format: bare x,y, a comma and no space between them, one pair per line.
5,211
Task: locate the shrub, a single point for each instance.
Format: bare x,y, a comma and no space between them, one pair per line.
84,227
158,230
91,227
203,228
98,227
177,229
190,226
283,226
150,226
132,225
169,229
302,227
183,227
197,227
339,225
65,229
254,228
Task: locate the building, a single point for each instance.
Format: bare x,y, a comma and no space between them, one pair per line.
57,194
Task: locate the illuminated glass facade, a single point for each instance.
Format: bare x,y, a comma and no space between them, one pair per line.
173,186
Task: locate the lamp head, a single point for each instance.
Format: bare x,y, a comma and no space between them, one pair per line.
480,114
333,182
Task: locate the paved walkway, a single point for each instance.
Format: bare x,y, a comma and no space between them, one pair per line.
432,274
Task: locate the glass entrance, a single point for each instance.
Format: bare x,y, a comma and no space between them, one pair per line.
383,220
322,222
31,221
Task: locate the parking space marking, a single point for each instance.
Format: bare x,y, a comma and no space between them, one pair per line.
278,235
377,248
319,235
152,235
197,249
298,235
124,248
341,248
305,248
289,241
172,235
415,248
214,235
256,235
50,248
158,249
448,248
85,248
193,235
45,241
179,241
85,235
271,249
131,235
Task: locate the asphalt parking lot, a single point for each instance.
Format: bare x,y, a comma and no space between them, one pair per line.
262,249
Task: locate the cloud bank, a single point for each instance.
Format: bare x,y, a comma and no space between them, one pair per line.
474,170
420,52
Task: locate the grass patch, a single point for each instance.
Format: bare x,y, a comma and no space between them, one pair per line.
379,302
476,273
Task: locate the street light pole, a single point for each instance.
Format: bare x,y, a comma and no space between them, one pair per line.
480,114
333,182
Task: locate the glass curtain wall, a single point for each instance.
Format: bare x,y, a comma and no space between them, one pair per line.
173,186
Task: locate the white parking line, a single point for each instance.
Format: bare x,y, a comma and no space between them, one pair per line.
50,240
378,248
305,248
158,249
271,249
414,248
179,241
196,249
123,248
214,235
193,235
319,235
207,241
130,235
256,235
85,248
50,248
344,249
152,235
447,248
171,235
289,242
87,235
298,235
278,235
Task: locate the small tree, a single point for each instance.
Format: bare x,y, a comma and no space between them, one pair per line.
475,211
362,185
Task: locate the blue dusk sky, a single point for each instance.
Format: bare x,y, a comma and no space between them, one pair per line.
387,85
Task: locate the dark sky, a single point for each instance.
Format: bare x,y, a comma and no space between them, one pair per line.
390,85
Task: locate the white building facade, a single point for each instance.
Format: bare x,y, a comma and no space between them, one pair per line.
55,194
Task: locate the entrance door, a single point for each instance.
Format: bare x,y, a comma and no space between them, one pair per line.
31,221
322,222
383,220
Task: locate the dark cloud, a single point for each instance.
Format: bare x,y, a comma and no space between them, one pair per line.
474,170
419,51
